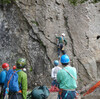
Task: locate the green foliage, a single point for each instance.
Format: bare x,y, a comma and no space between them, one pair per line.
75,2
83,1
6,1
34,22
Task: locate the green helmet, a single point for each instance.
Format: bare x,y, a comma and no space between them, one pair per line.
21,62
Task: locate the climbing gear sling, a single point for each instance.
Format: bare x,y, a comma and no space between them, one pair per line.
92,88
70,74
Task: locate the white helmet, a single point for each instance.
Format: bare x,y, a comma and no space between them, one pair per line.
63,34
24,69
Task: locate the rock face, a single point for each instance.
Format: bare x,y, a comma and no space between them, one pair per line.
28,27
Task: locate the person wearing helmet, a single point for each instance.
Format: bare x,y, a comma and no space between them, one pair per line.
66,77
55,70
14,67
5,67
54,75
61,41
22,80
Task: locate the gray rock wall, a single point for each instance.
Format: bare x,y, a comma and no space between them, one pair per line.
28,28
19,40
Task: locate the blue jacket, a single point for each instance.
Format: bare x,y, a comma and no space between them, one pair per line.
2,76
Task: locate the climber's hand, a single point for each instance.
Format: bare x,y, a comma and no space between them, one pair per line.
55,34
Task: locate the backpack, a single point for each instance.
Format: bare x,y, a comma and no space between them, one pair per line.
61,40
40,92
12,81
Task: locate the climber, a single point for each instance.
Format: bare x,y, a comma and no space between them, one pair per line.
54,71
5,67
24,69
14,67
66,78
22,80
61,41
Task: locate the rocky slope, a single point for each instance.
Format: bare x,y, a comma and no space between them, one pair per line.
28,27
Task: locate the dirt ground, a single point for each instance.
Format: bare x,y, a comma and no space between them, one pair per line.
53,95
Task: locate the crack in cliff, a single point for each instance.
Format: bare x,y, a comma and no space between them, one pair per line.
50,41
38,28
87,41
36,34
38,39
69,34
79,77
40,42
82,82
47,38
89,77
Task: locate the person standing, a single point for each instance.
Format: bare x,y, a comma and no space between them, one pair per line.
66,77
5,67
14,67
61,42
54,86
22,81
54,72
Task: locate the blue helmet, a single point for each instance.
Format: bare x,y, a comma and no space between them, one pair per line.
65,59
56,62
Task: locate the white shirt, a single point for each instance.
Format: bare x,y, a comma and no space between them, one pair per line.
54,72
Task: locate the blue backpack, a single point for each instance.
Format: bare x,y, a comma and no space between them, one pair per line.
12,81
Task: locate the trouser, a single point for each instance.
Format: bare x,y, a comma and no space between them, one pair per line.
2,91
16,95
63,94
61,48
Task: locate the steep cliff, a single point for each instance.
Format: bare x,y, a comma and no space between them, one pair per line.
28,28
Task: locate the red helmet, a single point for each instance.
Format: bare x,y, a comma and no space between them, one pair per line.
14,67
5,65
